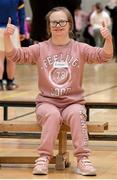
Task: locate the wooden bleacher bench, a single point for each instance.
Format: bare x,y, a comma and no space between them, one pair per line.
62,158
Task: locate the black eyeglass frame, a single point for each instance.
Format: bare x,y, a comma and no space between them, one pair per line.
61,23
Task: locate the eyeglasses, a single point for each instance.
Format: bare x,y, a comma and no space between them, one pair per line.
62,23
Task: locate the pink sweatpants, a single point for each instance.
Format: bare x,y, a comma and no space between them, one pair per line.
50,118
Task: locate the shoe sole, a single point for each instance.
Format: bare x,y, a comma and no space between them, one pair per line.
39,173
78,171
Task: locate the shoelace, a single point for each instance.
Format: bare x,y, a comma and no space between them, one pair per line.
86,162
41,161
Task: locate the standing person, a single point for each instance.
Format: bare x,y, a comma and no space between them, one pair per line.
96,19
81,20
15,10
88,32
39,11
60,61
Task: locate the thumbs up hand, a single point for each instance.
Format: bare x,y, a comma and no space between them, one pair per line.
10,28
105,31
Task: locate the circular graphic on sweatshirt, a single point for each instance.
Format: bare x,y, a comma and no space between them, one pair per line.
59,76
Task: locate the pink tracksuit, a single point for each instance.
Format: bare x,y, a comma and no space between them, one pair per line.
60,72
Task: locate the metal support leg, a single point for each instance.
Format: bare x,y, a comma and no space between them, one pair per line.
5,113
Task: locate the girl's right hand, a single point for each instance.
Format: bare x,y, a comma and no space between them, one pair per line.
10,28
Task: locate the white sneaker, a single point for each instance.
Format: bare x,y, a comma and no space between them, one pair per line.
41,166
85,167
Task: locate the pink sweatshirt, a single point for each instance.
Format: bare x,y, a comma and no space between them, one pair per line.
60,69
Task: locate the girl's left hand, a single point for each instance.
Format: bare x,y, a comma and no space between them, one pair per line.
105,31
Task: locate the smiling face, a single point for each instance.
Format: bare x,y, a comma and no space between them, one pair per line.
59,22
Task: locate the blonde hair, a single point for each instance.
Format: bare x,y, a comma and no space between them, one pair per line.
68,14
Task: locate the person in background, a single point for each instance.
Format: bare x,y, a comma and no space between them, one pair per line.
88,31
98,17
81,20
38,24
15,10
25,42
60,61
